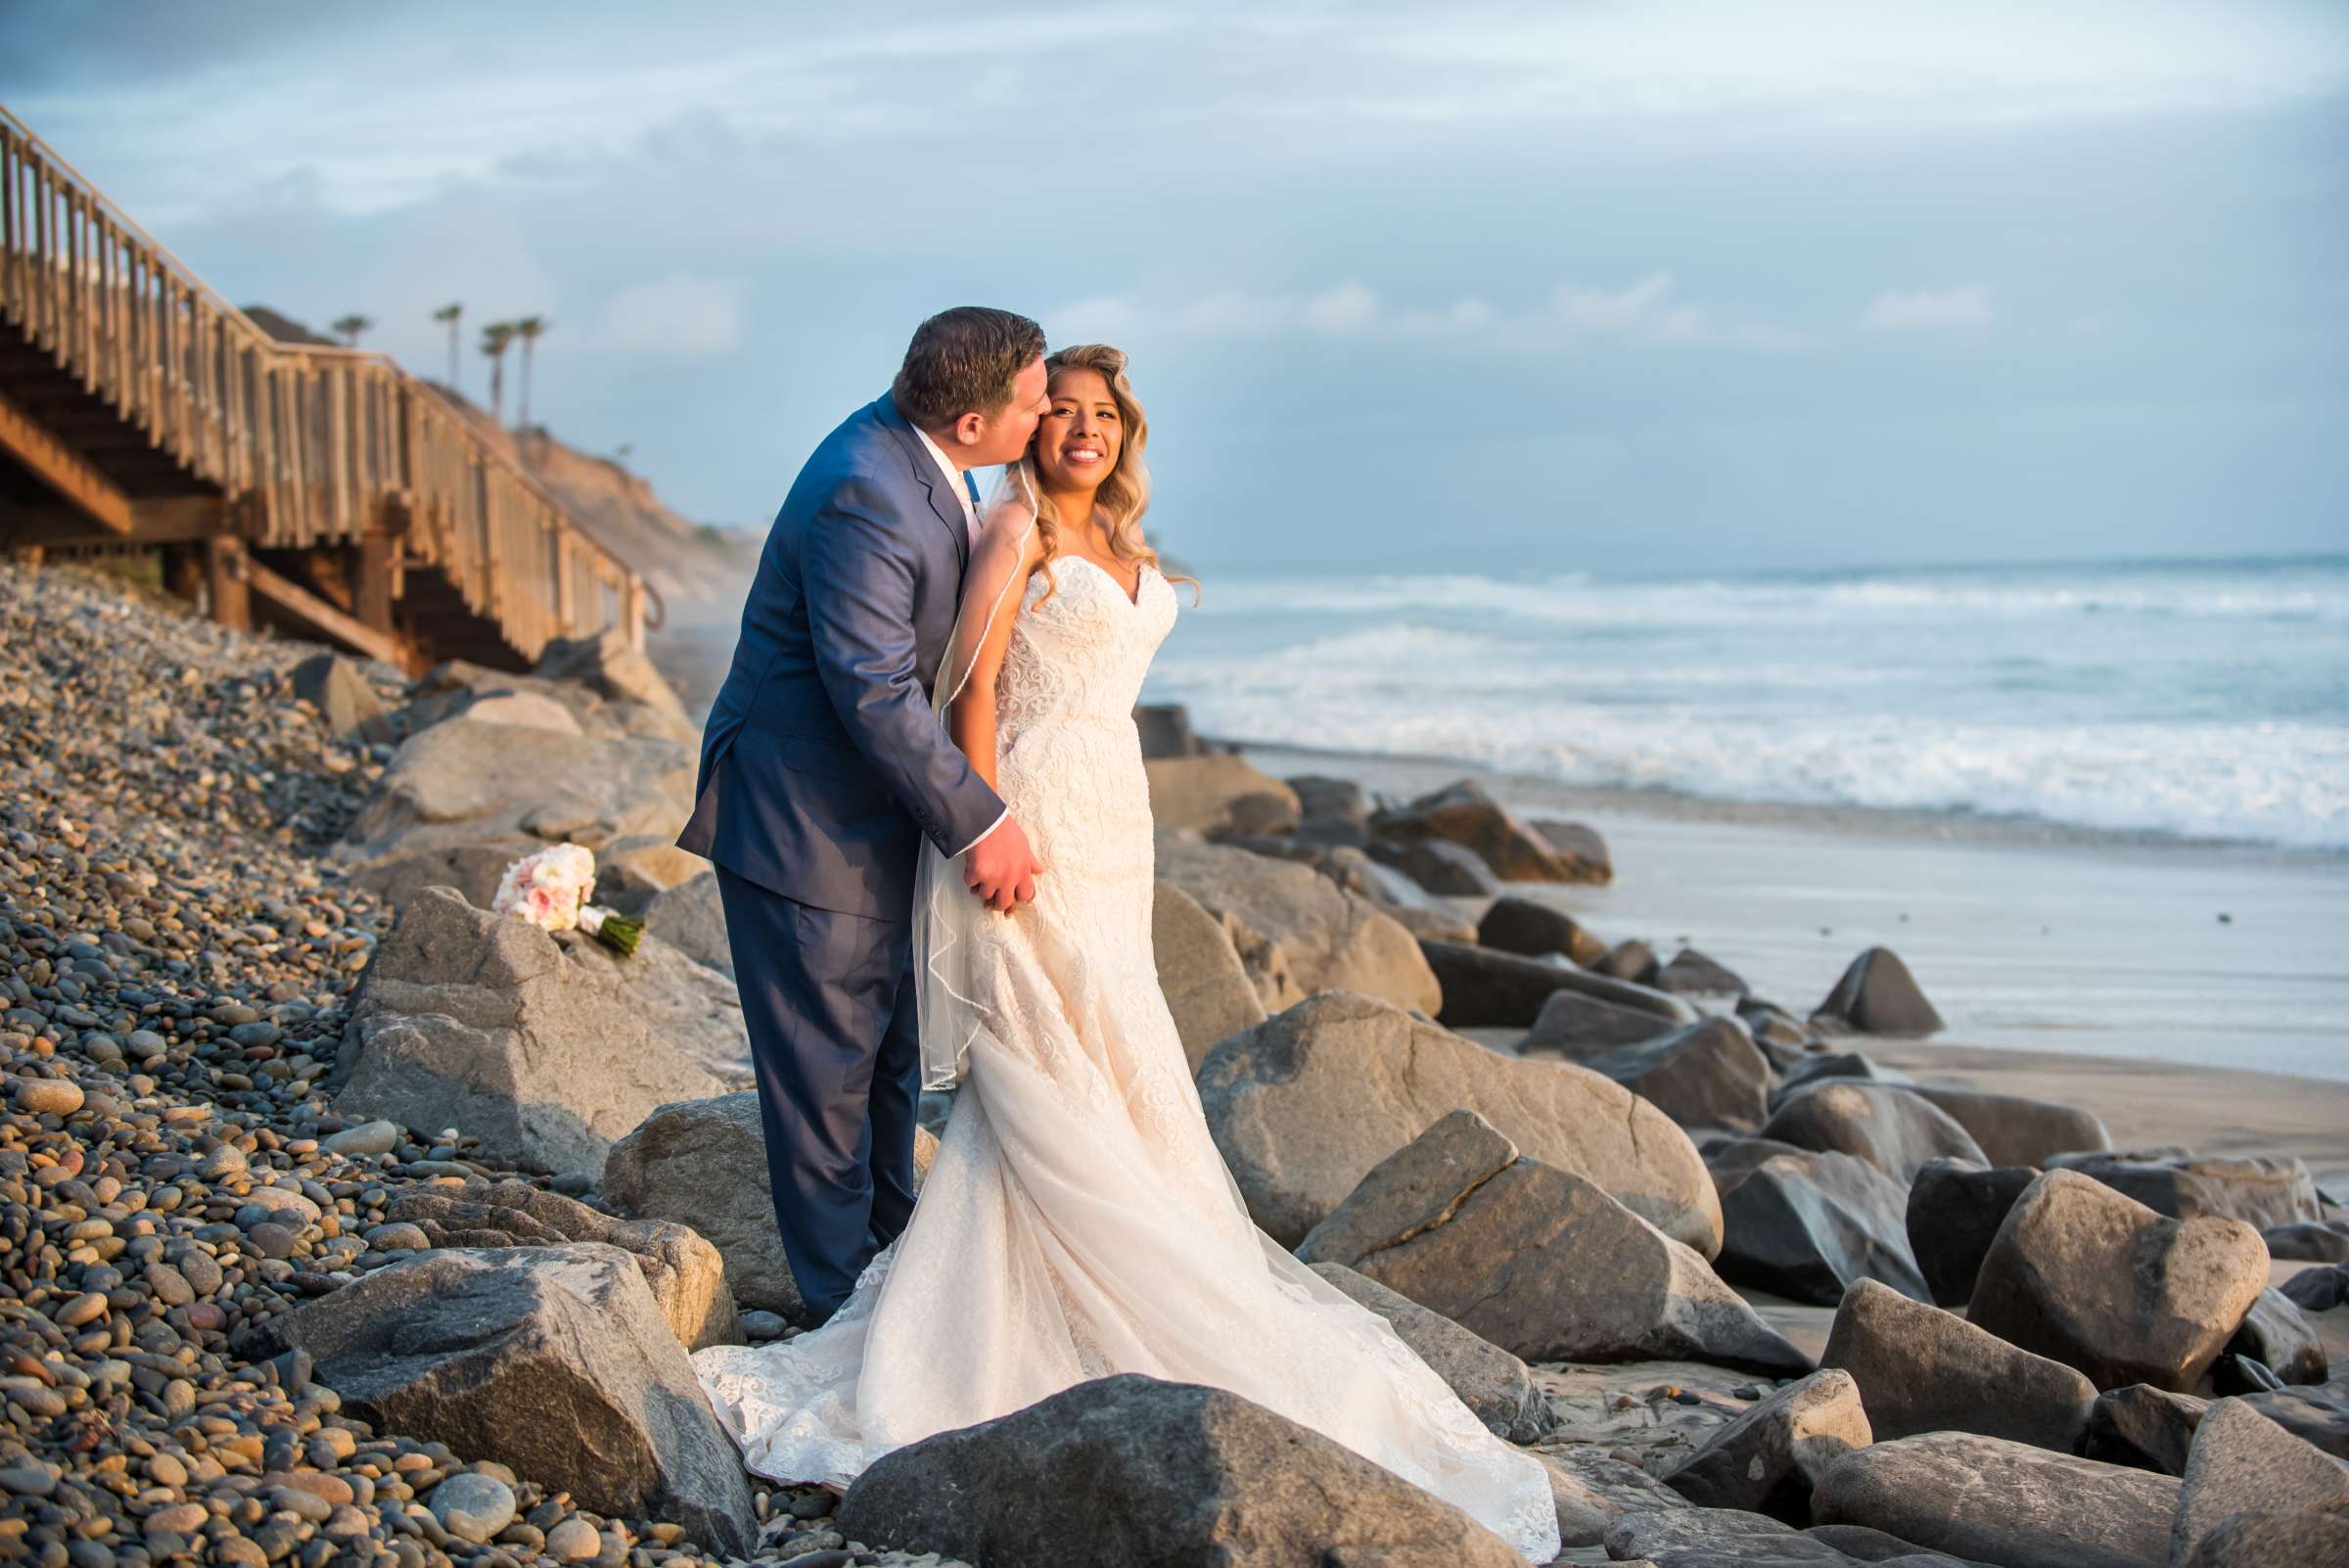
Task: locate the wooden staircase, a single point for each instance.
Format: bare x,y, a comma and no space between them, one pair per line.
321,490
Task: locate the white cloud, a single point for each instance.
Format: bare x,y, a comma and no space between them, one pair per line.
1910,309
1347,307
682,316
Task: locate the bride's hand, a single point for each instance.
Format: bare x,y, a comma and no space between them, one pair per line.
1001,868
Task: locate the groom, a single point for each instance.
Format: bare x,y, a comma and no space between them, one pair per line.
823,766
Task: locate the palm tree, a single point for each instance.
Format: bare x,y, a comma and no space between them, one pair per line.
529,329
350,327
495,339
449,314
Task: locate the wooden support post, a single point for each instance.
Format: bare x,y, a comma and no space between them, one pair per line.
379,566
226,566
631,610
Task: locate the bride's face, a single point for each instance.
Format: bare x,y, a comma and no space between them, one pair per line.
1078,441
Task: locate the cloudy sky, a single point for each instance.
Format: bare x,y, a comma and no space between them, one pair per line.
1683,285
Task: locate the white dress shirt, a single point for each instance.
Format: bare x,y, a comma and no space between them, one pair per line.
970,522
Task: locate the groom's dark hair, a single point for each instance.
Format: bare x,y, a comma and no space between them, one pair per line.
964,361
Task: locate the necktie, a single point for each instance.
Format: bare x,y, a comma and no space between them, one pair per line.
972,486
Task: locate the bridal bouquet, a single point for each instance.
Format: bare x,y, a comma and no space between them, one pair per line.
550,888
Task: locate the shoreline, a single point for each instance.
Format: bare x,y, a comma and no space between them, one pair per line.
2095,947
1663,804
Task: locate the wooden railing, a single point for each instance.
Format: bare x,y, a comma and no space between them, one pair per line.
318,445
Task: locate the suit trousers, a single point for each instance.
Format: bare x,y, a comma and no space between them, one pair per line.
828,999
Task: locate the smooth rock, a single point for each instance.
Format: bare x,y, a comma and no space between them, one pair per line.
2263,1192
691,918
1493,1384
1297,933
1886,1125
1147,1474
2143,1427
472,1507
2084,1275
546,1051
1539,1261
1808,1226
1520,925
2242,1462
2278,1336
1921,1369
1487,989
1466,814
555,1361
1305,1103
1199,970
2012,1129
1877,995
1708,1074
687,1163
2000,1501
1955,1211
1691,974
1768,1460
1219,795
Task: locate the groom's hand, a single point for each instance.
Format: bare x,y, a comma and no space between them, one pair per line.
1002,869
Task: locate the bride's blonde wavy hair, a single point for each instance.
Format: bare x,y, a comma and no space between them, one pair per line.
1124,494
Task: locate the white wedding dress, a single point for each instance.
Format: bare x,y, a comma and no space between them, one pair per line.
1078,1220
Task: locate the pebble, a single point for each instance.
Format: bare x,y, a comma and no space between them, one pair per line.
177,948
472,1507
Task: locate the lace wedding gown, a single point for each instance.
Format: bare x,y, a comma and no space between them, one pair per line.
1078,1220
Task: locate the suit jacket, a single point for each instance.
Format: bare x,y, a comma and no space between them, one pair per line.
822,763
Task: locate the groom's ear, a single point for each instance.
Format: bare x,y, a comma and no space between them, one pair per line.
968,428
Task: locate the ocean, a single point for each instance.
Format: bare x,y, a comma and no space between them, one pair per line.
2204,700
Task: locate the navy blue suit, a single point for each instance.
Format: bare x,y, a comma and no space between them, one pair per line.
823,766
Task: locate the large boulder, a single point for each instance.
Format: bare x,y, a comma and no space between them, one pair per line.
1768,1459
2258,1190
2241,1462
1923,1369
1146,1474
691,917
455,784
1996,1501
1528,926
1305,1103
1220,796
684,1272
554,1360
1540,1261
1206,986
473,869
1498,1387
1296,933
703,1162
1464,813
1808,1226
1953,1213
546,1048
2012,1129
1882,1124
2086,1276
1816,1067
1708,1074
1487,989
1877,995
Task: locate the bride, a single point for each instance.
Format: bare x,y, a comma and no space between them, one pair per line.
1078,1220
